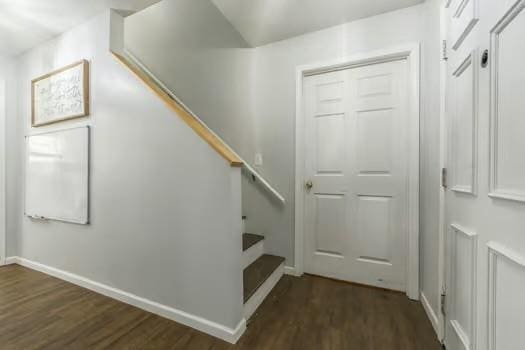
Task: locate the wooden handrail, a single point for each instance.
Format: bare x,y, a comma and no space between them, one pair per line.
194,123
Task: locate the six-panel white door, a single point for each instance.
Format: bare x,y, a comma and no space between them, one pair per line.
485,203
356,166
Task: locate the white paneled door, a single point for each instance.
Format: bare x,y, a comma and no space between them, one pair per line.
356,212
485,200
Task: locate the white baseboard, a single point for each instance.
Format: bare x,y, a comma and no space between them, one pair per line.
10,260
215,329
262,292
431,314
290,270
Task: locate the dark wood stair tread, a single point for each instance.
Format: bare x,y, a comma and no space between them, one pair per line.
258,272
249,239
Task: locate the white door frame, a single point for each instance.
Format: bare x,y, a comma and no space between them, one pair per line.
411,54
3,164
443,160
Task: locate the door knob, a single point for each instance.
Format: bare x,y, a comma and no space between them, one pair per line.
309,184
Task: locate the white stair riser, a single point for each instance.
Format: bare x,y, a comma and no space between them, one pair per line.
262,292
253,253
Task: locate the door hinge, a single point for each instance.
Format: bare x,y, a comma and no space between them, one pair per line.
444,53
444,303
444,178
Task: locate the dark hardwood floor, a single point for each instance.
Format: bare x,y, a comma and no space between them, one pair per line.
41,312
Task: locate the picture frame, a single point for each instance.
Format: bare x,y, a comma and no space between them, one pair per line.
60,95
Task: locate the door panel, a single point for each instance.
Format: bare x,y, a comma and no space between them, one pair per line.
330,220
485,248
356,127
464,18
374,237
506,302
464,114
374,129
329,96
462,285
330,144
508,143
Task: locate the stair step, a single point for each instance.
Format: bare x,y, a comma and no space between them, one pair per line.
258,272
249,239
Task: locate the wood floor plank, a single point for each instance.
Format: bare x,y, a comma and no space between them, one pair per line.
41,312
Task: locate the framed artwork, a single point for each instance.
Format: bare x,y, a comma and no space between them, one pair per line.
60,95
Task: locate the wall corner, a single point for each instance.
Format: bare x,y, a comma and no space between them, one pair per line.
116,31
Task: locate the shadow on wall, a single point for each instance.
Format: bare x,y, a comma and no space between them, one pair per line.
250,181
203,60
266,215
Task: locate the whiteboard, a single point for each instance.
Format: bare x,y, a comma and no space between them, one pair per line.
57,175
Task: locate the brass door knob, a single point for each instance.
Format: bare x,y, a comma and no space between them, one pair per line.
309,184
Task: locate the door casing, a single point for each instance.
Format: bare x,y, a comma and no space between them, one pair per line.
410,52
3,163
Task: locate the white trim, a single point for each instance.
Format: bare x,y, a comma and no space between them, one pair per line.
262,292
209,327
253,253
412,54
465,231
443,164
299,173
463,337
3,165
10,260
470,61
470,25
495,251
501,250
494,192
431,314
290,271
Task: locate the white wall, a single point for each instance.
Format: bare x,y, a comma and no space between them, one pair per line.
191,47
430,185
163,203
7,109
2,169
177,48
275,113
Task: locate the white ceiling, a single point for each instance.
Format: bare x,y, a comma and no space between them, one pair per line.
264,21
27,23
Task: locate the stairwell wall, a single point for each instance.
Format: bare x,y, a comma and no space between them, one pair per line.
164,206
204,61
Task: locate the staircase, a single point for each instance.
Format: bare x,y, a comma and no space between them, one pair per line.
261,272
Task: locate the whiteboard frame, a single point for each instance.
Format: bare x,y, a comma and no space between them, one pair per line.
86,86
87,222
